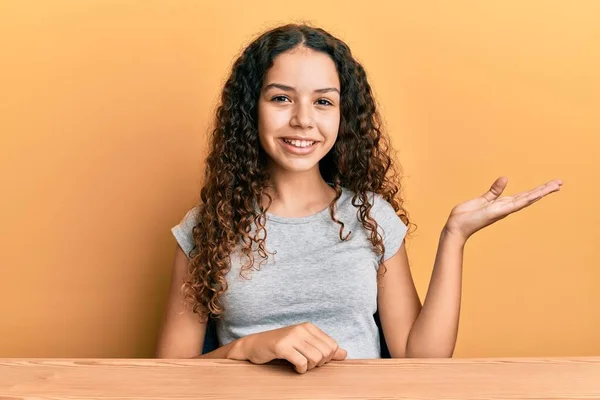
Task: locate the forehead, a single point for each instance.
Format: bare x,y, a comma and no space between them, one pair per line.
303,68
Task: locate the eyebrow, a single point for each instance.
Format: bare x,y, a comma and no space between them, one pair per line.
291,89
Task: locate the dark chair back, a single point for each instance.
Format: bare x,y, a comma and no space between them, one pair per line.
211,341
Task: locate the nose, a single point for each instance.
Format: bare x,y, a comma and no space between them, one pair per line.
302,116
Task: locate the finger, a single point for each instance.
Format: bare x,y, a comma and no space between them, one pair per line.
526,193
331,344
340,354
496,189
313,355
325,348
297,359
544,189
529,198
526,199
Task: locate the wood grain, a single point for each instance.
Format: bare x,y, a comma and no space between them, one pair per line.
511,378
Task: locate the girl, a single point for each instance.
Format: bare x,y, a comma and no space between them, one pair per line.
299,236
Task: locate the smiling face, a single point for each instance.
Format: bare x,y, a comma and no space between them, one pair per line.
299,110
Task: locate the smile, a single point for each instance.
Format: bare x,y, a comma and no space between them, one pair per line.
298,147
299,143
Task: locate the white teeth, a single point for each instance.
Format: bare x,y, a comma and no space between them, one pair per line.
299,143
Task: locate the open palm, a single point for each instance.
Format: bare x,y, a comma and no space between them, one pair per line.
473,215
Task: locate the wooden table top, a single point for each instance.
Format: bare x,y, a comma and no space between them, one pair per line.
497,378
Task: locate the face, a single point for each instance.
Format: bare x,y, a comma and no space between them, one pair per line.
299,110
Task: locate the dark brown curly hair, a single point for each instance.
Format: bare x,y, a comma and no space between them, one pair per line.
235,177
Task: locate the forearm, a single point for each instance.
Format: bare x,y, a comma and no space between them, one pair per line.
435,330
230,351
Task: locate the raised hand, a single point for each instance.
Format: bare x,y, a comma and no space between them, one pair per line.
473,215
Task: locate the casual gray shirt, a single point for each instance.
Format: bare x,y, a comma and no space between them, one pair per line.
313,277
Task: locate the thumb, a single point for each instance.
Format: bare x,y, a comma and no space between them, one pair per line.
496,189
339,355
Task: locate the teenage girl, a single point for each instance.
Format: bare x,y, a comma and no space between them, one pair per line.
298,239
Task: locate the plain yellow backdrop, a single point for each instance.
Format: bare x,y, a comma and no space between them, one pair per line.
104,112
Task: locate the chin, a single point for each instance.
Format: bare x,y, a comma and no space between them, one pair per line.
303,166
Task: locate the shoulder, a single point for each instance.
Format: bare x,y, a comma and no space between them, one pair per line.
191,216
393,230
189,219
389,224
380,207
383,212
183,231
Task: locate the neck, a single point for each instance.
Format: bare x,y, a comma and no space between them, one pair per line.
298,194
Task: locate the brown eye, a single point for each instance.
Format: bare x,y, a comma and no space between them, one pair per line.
324,102
279,99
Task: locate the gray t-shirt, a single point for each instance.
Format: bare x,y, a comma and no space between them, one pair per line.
314,276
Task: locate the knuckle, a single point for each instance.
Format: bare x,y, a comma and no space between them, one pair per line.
301,330
332,347
279,348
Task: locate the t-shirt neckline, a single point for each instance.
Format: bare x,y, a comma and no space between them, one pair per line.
305,219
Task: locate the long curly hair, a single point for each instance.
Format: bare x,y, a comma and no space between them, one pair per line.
236,177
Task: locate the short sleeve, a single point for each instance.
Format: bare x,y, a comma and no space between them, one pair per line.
391,228
183,231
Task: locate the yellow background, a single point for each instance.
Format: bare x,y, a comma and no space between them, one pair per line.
104,109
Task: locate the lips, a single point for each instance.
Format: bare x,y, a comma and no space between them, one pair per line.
290,148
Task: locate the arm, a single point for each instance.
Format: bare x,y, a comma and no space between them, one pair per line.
435,330
412,330
182,333
397,302
431,330
434,333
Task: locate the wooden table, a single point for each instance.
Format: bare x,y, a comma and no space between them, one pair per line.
510,378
